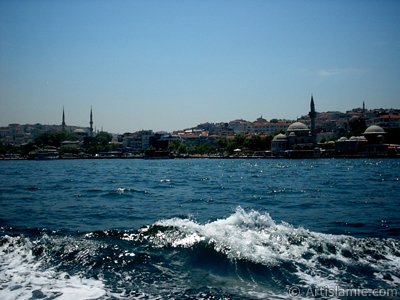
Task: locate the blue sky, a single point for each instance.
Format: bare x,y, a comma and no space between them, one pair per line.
167,65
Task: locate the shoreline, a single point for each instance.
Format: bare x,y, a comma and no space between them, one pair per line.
210,157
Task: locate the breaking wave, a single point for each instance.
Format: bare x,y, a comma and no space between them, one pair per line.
24,275
312,258
246,255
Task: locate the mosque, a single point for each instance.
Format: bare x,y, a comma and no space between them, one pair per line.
79,131
298,140
301,141
371,143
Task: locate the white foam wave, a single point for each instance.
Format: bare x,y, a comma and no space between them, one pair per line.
123,190
22,276
257,238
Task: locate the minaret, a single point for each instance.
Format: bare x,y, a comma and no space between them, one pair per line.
363,110
91,122
63,120
313,115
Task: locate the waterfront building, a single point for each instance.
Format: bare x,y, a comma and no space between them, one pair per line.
374,134
299,137
80,133
350,146
376,138
371,143
161,140
279,144
138,141
71,144
298,140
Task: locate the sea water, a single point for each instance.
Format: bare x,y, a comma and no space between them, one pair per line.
200,229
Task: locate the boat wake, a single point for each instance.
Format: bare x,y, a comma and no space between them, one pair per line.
246,255
312,258
24,274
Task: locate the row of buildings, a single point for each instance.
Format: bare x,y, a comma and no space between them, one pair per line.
301,141
19,134
328,125
240,126
290,138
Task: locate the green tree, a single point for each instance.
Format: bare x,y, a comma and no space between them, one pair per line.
99,143
268,141
177,147
103,138
257,143
5,149
26,148
238,142
222,143
203,148
54,138
278,131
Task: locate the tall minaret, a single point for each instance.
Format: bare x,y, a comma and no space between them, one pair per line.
363,109
91,122
63,120
313,115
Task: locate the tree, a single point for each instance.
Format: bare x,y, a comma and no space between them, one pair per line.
257,143
278,131
222,142
203,148
268,141
4,149
103,138
54,138
238,142
177,147
26,148
90,145
99,143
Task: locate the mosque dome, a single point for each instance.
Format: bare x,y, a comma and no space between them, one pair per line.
358,138
279,138
374,130
374,134
79,131
297,126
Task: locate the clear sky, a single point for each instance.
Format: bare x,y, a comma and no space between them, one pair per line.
171,64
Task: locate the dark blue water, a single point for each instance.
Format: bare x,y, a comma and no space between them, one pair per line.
190,229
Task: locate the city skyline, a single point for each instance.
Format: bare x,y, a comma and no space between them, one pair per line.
167,65
64,125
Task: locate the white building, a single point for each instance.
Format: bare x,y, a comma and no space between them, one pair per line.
241,126
269,127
